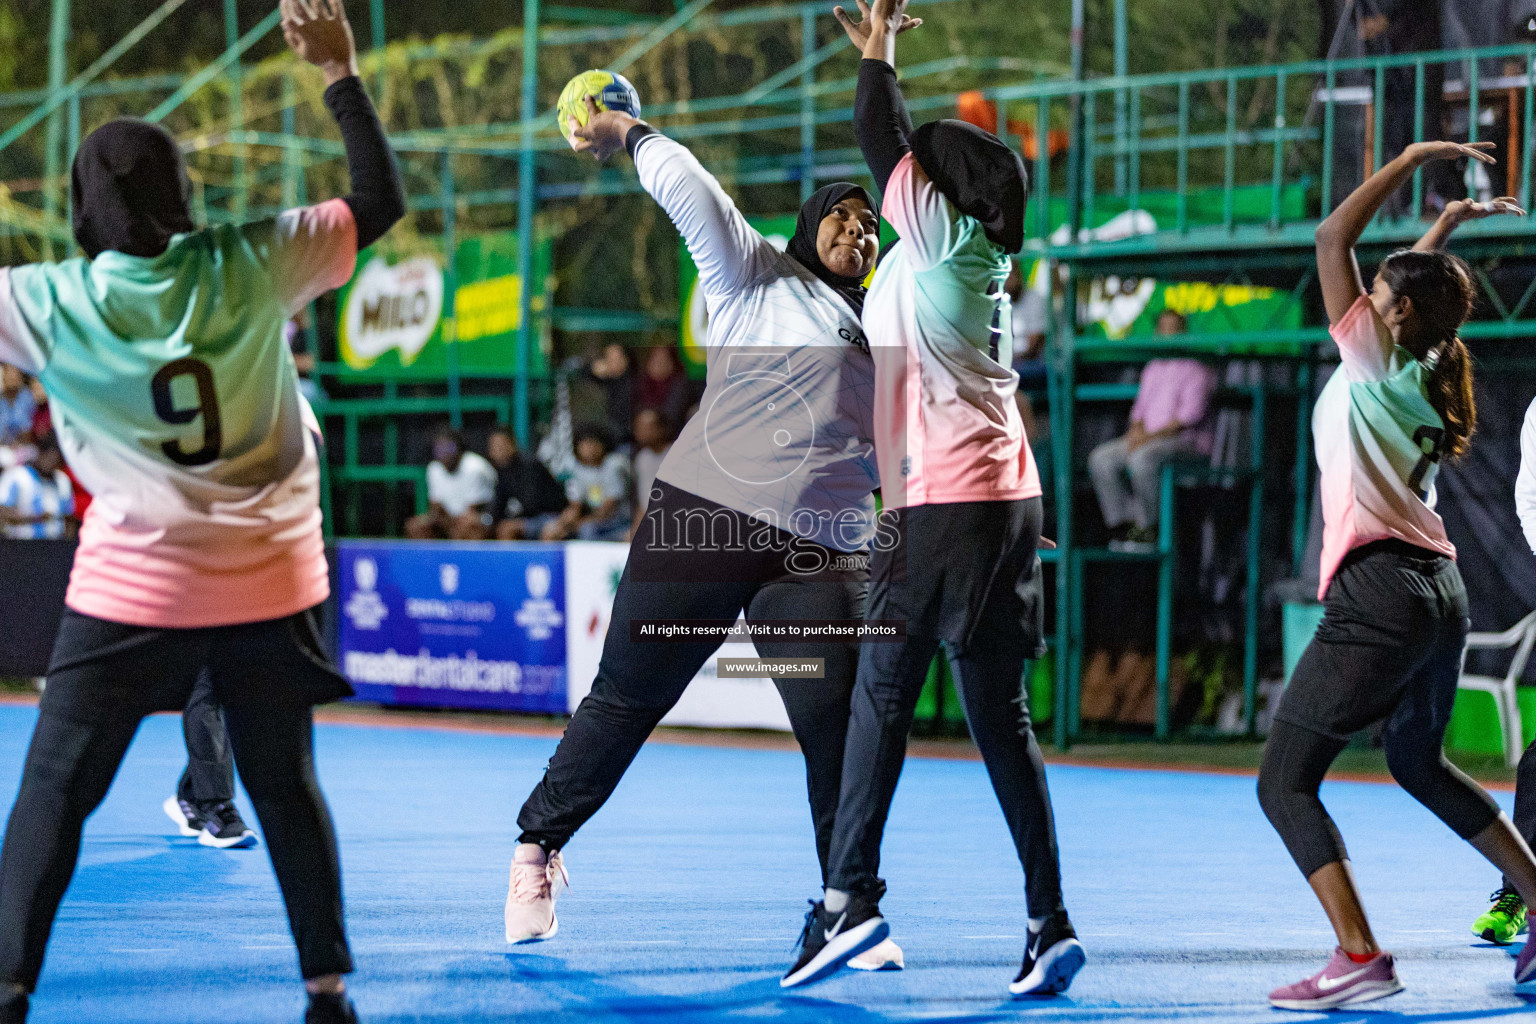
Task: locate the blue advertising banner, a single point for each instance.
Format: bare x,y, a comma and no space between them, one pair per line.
478,625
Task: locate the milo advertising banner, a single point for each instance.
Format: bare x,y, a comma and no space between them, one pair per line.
1112,307
395,312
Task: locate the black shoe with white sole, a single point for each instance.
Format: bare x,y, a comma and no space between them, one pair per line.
830,940
1051,960
223,828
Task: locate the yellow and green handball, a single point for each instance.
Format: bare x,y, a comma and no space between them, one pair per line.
611,90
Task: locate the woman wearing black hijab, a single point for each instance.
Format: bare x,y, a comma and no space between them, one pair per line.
764,504
176,401
964,496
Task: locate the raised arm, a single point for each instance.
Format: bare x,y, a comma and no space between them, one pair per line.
728,251
318,32
880,122
1458,213
1337,269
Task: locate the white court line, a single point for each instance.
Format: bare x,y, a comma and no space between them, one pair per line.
282,945
991,936
167,950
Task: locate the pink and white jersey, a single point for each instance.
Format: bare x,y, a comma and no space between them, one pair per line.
176,403
947,423
1378,445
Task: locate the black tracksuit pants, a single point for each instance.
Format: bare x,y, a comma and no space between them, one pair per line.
210,773
105,678
965,575
715,577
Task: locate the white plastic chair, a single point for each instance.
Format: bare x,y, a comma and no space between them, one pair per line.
1521,637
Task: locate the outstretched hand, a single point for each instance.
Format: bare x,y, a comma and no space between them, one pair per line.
317,30
891,15
603,134
1424,152
1463,210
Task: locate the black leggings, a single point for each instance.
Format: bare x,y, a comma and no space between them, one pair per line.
1389,647
105,679
638,682
982,600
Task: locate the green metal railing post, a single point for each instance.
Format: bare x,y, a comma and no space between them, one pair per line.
1229,166
450,288
1528,144
1278,183
1166,561
1330,82
1134,157
1183,187
58,57
1042,195
1089,135
1122,69
527,196
1418,136
1255,525
236,108
72,145
807,106
1301,511
1061,339
376,30
290,155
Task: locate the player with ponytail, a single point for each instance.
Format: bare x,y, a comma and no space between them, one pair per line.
1395,624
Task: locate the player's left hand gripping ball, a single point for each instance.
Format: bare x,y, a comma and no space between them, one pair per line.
610,91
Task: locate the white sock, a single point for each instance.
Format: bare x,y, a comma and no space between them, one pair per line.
1037,923
835,900
529,853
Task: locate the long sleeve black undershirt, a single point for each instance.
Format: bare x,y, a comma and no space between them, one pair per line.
880,120
377,199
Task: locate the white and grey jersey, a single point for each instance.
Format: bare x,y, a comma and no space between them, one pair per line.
784,430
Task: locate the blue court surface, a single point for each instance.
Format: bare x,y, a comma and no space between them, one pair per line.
688,891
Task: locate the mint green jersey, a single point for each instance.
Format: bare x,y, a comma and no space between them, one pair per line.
1378,445
176,403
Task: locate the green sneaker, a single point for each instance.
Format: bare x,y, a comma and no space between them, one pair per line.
1504,920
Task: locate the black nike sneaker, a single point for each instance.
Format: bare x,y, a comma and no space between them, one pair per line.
830,940
1051,960
330,1009
223,828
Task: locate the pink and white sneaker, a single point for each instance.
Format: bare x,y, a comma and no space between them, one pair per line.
531,893
1525,963
1342,983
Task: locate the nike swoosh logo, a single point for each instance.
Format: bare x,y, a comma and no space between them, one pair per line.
1329,984
828,934
1034,947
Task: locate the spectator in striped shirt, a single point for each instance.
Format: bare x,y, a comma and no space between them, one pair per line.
36,499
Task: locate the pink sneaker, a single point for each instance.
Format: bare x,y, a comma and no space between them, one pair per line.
1343,982
531,893
1525,963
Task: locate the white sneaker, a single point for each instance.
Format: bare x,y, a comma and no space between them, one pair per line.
884,957
531,894
177,813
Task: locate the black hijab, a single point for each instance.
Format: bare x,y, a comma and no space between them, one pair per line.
129,186
803,245
980,175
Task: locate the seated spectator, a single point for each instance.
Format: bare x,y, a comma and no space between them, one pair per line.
1028,322
42,416
1169,420
653,439
600,391
296,331
17,406
662,386
528,497
36,499
460,488
598,491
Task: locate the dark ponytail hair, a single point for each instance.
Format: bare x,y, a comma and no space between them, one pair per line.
1441,288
